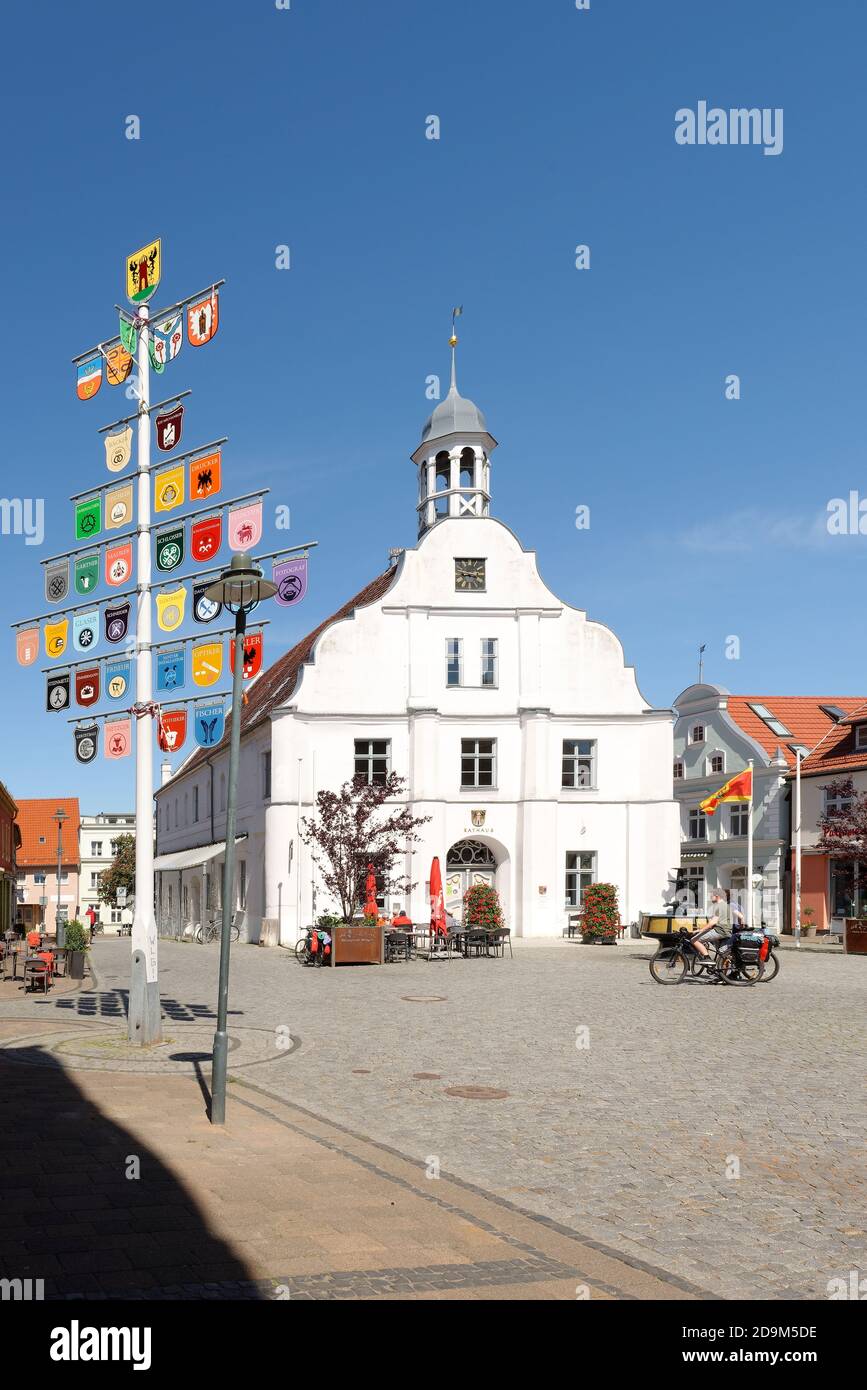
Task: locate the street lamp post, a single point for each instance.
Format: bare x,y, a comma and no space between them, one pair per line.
59,927
240,589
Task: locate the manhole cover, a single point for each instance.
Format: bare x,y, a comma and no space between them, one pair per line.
426,1076
476,1093
424,998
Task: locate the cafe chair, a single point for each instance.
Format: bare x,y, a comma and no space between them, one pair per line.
36,973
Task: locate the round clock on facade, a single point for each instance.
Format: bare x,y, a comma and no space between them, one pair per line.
469,575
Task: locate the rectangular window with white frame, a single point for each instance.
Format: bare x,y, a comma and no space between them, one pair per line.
697,824
739,819
454,661
490,661
836,800
579,762
373,760
678,771
692,887
266,774
580,873
478,762
716,764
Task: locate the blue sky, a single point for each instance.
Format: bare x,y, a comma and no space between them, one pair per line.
262,127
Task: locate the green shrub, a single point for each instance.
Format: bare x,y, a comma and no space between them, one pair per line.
77,937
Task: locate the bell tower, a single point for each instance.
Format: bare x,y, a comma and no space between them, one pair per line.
453,458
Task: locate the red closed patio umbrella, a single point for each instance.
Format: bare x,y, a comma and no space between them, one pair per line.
437,905
370,907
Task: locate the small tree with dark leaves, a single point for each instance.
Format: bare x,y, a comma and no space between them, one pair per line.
843,835
120,874
356,827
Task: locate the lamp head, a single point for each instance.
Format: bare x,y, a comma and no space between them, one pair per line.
241,587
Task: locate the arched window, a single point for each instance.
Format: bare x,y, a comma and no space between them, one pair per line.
468,468
443,472
471,853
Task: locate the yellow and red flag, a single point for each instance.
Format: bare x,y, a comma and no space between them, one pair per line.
739,788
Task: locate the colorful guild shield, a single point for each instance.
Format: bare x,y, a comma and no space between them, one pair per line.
166,340
86,573
87,686
117,679
118,564
172,730
170,548
169,427
205,609
118,364
128,334
57,580
116,622
86,743
205,475
203,319
171,669
290,576
118,507
253,642
89,378
57,692
56,636
207,663
206,537
27,645
143,271
209,724
245,526
170,609
85,630
169,489
157,363
118,450
88,518
117,738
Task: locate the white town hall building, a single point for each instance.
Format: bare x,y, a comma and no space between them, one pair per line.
515,721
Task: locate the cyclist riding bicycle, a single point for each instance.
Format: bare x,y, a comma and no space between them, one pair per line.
719,924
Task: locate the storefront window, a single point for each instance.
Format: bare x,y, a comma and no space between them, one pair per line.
848,888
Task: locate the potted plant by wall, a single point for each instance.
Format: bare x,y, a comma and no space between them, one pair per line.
600,915
808,926
77,945
482,910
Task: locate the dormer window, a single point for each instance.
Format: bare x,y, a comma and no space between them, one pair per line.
678,771
716,763
861,737
696,733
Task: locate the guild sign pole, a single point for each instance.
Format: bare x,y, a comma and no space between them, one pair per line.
144,996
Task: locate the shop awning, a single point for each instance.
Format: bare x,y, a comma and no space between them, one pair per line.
191,858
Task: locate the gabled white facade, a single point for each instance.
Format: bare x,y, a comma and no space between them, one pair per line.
381,676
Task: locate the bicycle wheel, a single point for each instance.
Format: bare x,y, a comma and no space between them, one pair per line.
301,951
200,935
733,973
668,967
772,968
235,934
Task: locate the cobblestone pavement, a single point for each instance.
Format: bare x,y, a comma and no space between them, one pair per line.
628,1141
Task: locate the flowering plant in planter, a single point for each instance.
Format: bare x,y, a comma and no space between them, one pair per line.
482,908
600,915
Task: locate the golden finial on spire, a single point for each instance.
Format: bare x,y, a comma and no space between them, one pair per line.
453,340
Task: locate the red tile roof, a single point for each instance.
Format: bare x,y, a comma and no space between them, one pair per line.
36,819
276,684
806,721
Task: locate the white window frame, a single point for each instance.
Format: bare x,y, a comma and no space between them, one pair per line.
832,804
369,757
695,736
578,758
473,754
578,876
96,849
678,775
712,771
492,656
700,820
739,810
454,662
693,875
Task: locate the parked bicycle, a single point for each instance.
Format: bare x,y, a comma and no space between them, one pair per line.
212,930
314,947
736,960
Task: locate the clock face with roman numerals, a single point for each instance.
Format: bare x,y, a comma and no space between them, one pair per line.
469,576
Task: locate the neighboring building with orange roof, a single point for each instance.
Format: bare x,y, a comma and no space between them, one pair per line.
37,861
835,888
715,736
8,852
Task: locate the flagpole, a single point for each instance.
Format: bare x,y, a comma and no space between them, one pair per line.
798,848
750,850
144,996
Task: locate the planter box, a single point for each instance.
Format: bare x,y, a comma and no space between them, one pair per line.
357,945
75,965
